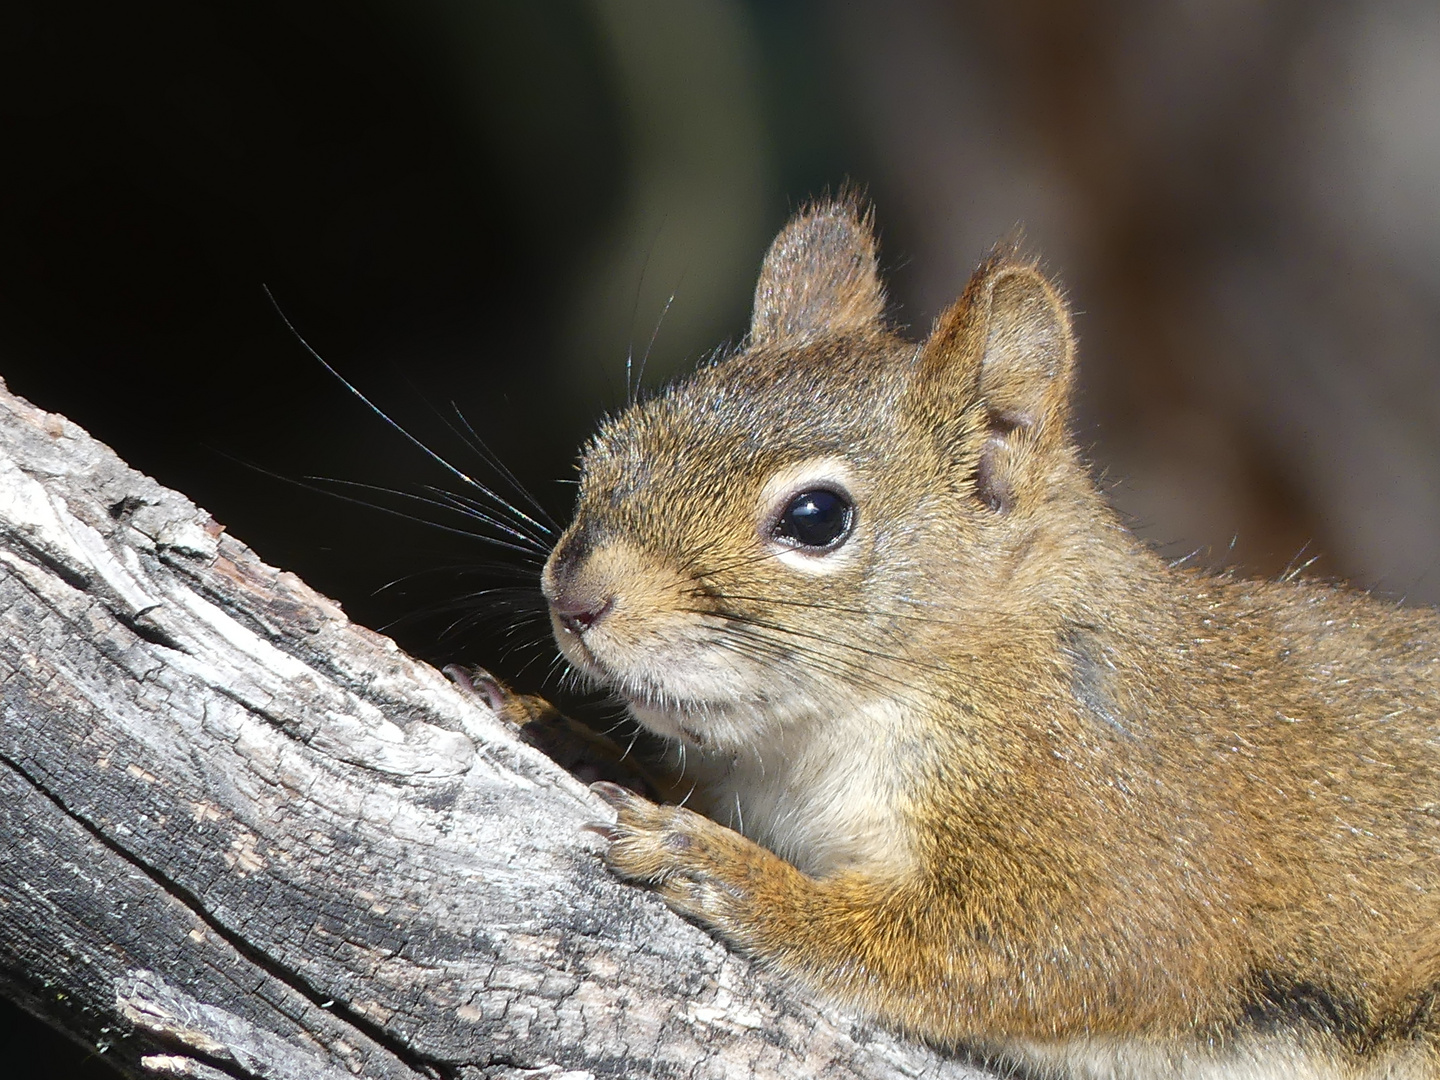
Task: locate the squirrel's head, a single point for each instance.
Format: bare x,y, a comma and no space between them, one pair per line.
827,513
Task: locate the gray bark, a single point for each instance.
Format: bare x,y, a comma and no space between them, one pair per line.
242,837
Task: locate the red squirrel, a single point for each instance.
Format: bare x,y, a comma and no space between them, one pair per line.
971,759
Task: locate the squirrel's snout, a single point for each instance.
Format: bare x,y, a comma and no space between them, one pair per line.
579,613
577,597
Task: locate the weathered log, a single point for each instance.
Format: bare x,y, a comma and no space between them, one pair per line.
242,837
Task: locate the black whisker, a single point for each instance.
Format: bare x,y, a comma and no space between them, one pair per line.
474,508
522,522
874,654
530,549
479,446
514,604
645,356
785,601
487,567
419,444
313,483
803,663
476,446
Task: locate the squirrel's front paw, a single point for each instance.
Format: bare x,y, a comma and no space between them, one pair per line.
701,869
518,710
578,749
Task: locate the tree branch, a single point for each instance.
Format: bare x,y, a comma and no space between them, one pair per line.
241,837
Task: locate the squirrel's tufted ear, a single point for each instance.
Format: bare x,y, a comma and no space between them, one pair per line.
1005,347
820,275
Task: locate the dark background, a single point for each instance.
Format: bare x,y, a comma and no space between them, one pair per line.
490,203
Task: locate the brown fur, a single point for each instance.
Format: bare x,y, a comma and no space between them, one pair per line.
1037,792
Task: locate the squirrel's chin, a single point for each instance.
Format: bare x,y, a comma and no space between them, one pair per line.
682,723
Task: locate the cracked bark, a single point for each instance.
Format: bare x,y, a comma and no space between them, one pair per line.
242,837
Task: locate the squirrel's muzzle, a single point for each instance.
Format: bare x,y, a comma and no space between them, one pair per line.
578,596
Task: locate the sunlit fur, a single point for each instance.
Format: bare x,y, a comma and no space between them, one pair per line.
1020,786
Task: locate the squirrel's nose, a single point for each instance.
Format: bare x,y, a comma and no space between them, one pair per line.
579,613
578,595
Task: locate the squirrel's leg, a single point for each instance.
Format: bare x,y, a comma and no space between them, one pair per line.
580,750
920,959
870,942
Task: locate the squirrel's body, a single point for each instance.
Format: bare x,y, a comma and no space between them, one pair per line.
1032,791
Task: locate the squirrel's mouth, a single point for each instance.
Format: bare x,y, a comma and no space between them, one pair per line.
680,687
658,707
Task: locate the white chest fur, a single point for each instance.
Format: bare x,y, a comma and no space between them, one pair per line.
1257,1057
823,793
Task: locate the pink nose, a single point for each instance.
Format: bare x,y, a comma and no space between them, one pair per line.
579,613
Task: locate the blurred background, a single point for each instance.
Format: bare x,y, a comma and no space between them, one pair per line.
493,205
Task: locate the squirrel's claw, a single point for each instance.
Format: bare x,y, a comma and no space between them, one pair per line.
477,682
700,868
614,794
604,829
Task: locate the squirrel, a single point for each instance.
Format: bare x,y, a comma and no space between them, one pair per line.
971,759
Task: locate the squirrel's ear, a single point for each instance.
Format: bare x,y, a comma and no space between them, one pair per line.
1006,348
819,275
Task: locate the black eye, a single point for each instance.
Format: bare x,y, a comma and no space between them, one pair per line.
816,519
